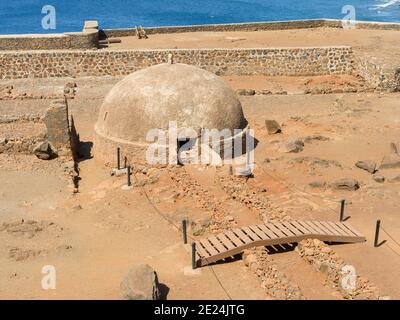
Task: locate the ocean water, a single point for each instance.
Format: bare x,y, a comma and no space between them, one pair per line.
25,16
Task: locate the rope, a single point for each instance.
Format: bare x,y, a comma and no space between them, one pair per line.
280,181
394,240
171,222
286,185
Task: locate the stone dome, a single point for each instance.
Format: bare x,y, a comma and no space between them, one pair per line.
152,97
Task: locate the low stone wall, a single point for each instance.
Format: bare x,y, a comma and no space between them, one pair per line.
378,75
71,40
264,61
255,26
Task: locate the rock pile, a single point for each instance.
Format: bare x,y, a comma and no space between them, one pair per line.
202,198
27,228
275,283
255,199
325,260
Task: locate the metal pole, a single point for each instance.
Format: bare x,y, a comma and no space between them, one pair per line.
184,231
342,202
125,162
129,176
194,255
118,158
378,225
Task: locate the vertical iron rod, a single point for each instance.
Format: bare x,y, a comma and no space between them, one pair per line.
125,162
118,158
184,233
378,226
342,202
129,176
194,255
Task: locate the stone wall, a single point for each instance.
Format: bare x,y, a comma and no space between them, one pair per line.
88,39
264,61
255,26
378,74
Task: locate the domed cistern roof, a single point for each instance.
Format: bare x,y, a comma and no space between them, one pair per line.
151,98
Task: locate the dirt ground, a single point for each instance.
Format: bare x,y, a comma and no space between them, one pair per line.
94,237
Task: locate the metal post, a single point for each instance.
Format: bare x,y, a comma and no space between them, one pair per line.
118,158
184,231
342,202
125,162
378,225
129,176
194,255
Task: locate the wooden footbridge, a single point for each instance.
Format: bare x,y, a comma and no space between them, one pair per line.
232,242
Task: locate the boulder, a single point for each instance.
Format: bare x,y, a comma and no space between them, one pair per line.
390,161
378,178
293,145
394,179
367,165
3,142
317,184
273,127
245,92
395,148
141,283
44,151
345,184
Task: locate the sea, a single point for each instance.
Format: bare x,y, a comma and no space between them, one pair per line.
27,16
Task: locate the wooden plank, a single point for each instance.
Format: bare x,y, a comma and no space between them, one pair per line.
234,238
225,241
241,235
202,252
325,228
313,231
217,244
207,245
284,229
293,229
275,230
343,229
352,229
257,231
301,227
268,232
251,234
335,227
316,227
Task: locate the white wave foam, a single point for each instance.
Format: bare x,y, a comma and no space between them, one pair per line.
387,4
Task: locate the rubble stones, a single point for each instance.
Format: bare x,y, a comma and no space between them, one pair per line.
325,260
294,145
275,283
